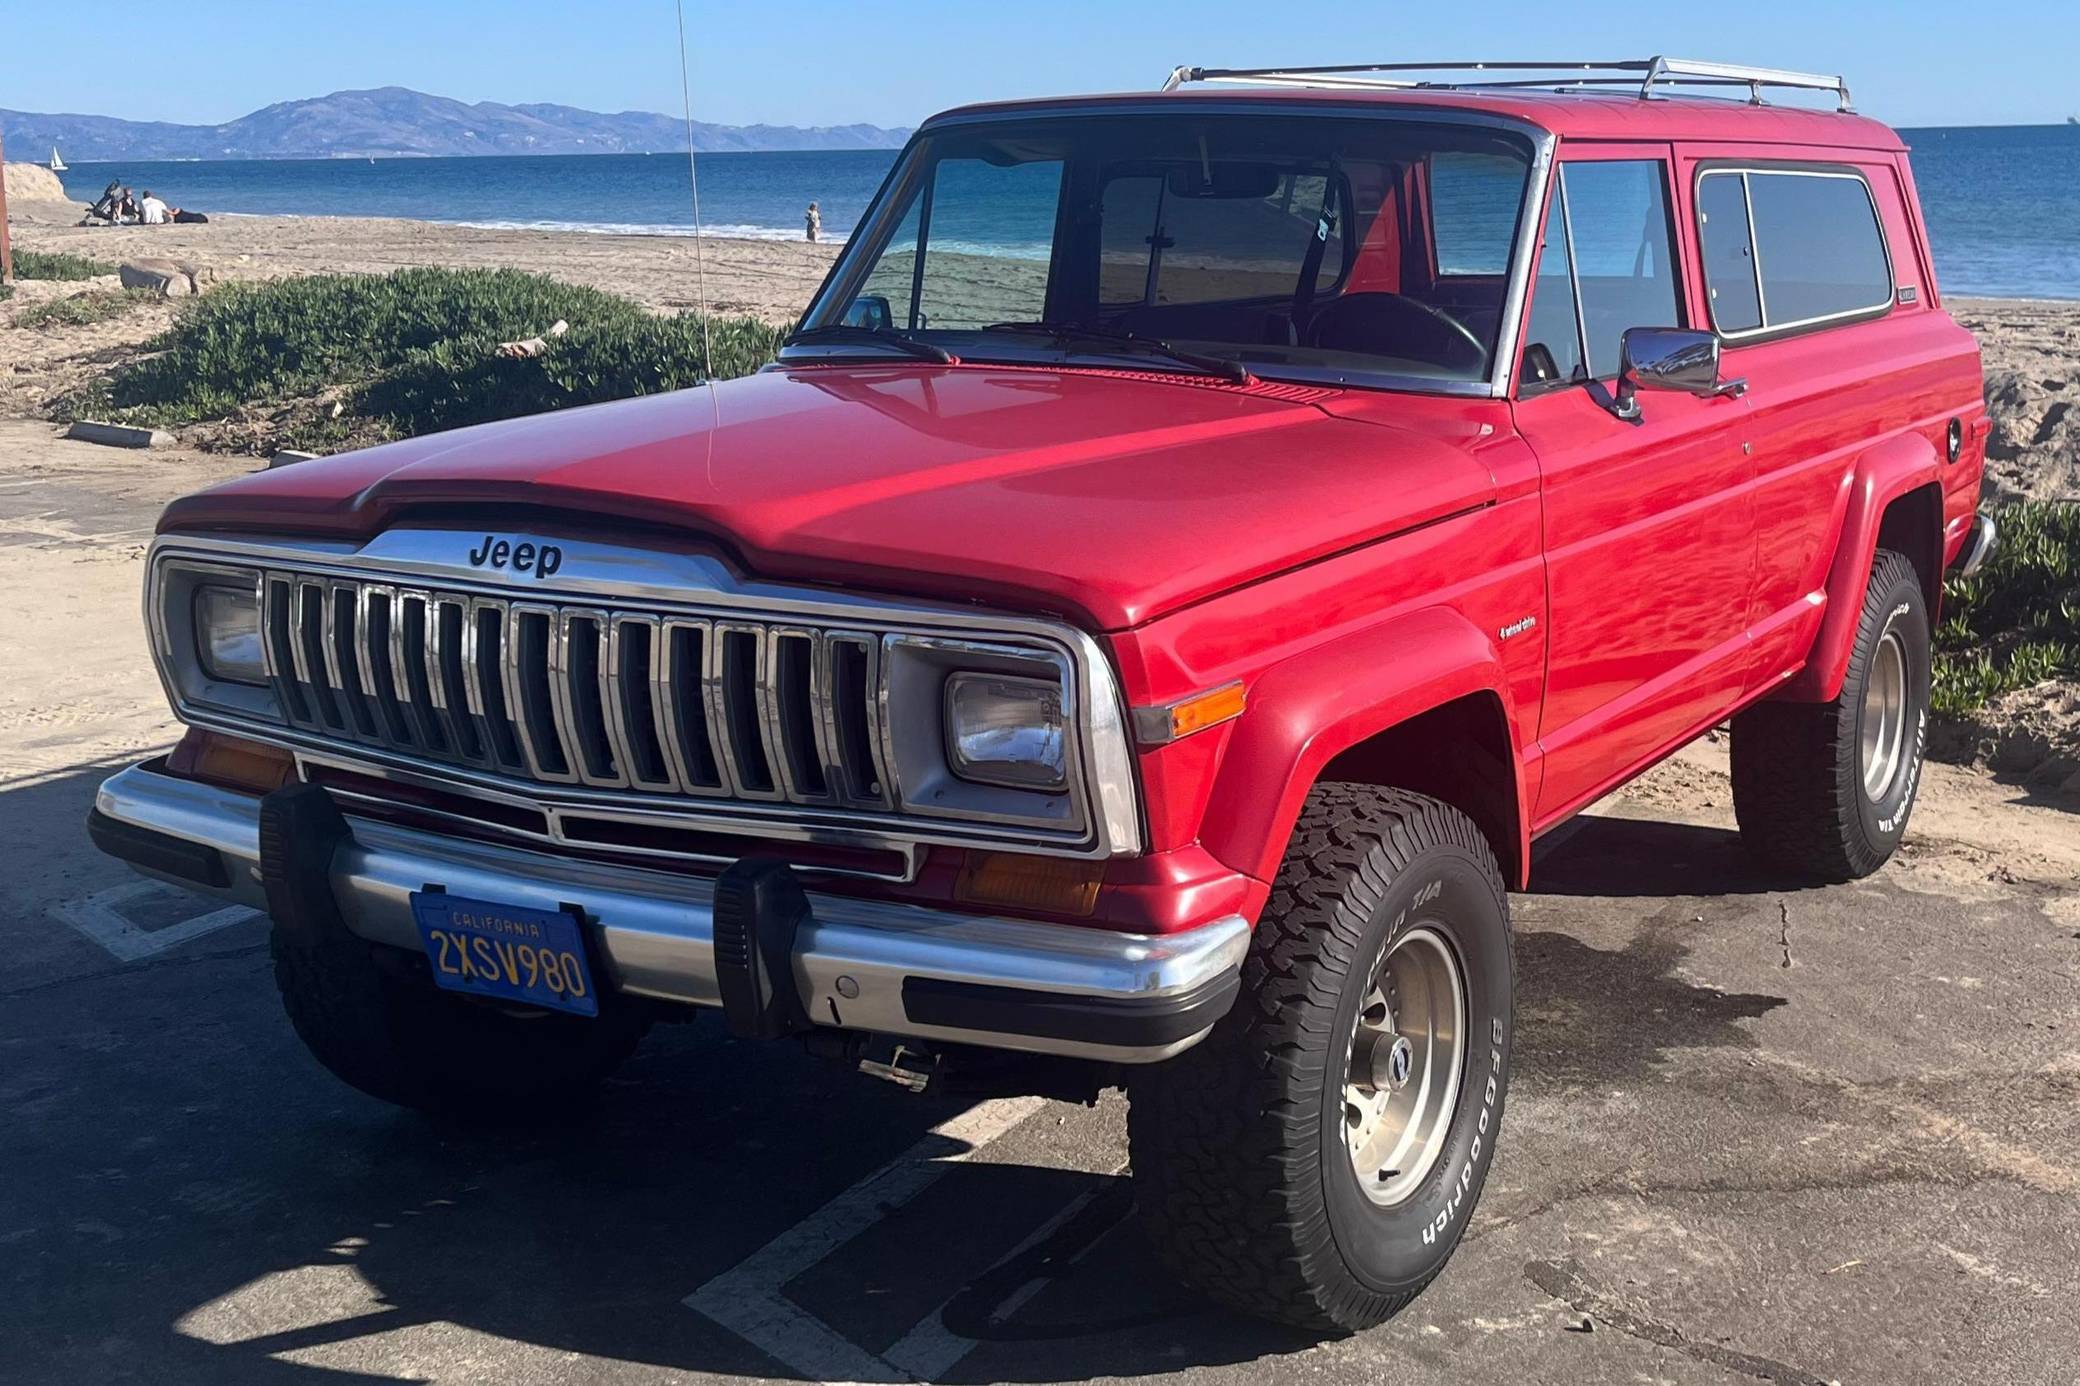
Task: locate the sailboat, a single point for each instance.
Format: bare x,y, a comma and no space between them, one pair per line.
57,164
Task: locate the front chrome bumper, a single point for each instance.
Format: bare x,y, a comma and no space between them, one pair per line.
863,965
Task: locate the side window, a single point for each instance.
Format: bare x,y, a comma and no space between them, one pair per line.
1729,252
989,239
1812,250
1822,254
1623,250
1474,200
1554,328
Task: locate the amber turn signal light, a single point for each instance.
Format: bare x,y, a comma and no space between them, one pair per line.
231,762
1159,726
1054,884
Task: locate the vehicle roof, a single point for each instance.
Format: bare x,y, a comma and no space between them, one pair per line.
1569,115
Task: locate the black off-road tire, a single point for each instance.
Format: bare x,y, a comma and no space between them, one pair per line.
1798,787
374,1017
1241,1168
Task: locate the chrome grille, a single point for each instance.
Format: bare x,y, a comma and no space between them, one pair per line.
583,694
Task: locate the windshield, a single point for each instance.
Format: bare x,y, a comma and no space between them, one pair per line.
1372,250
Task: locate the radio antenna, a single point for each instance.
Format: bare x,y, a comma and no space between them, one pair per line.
693,179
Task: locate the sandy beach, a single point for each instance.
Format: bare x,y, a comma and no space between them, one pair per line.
770,279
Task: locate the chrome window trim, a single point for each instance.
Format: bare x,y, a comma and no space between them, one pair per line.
855,261
1748,168
691,590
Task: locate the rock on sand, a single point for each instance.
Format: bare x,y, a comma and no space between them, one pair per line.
32,183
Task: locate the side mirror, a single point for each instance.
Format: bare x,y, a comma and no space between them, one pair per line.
1669,358
870,311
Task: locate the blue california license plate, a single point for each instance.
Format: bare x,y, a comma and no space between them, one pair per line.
512,952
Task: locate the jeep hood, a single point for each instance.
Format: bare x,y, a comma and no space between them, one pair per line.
1110,497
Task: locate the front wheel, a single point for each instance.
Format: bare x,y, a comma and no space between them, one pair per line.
1824,789
1317,1157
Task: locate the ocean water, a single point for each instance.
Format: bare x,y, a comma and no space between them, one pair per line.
2002,202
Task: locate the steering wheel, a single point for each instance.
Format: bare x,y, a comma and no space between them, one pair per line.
1393,324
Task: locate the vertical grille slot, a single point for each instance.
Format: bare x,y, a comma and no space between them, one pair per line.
444,673
342,646
855,717
408,669
734,679
577,689
681,693
378,674
796,742
527,689
278,621
632,705
488,685
310,652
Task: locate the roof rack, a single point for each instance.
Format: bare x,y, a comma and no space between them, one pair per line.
1643,73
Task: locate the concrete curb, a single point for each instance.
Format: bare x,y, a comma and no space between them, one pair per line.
119,436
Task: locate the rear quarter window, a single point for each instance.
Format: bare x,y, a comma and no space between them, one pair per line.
1786,248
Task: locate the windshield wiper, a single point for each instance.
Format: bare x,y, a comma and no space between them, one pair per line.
839,332
1065,334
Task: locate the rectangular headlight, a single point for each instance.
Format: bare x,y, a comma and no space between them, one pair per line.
227,634
1005,730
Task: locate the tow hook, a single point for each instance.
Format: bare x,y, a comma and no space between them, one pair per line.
905,1067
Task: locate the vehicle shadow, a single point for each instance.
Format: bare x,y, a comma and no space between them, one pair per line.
192,1199
1634,857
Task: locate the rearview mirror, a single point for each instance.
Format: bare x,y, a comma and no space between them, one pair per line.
869,311
1669,358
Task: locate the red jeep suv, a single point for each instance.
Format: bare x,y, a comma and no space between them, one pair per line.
1192,547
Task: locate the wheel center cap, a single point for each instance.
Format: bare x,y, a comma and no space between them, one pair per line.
1393,1063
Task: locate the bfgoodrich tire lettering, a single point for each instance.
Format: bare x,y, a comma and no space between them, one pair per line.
1242,1169
1801,792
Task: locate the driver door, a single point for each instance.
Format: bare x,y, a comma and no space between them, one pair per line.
1649,528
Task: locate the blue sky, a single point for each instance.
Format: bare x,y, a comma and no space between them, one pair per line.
808,62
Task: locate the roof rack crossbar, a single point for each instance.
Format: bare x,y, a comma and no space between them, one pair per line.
1645,73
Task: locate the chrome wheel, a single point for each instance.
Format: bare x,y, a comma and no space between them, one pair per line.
1407,1056
1884,720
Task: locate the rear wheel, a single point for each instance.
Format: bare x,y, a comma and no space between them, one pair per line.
1315,1159
1825,789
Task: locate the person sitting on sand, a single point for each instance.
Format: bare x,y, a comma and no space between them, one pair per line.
154,210
814,223
126,209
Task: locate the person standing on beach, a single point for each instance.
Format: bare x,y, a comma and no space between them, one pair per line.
814,223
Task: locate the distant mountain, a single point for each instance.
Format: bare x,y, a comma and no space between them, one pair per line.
394,121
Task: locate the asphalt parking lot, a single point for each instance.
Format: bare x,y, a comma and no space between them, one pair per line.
1757,1133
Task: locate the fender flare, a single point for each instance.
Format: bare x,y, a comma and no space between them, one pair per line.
1882,474
1306,709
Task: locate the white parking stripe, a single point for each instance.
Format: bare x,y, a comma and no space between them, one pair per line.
747,1298
931,1349
95,917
